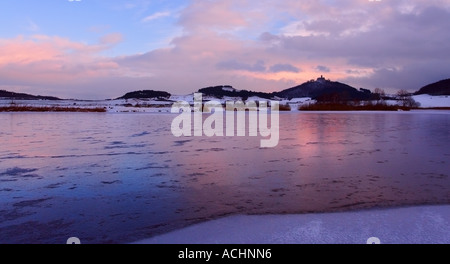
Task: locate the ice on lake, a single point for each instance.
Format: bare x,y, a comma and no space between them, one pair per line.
117,178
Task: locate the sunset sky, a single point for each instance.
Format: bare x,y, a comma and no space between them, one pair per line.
98,49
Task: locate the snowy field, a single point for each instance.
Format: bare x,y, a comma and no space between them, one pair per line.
153,106
410,225
432,101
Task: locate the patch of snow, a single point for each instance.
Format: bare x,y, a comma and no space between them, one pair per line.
256,99
300,100
228,89
426,100
186,98
410,225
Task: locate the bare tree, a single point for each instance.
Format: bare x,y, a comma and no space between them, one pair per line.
402,94
410,102
380,93
406,99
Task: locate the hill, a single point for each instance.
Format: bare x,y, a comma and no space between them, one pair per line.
228,91
147,94
23,96
437,88
326,90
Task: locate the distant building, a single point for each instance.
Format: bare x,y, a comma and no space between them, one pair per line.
321,79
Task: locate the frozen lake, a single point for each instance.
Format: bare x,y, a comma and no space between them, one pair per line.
117,178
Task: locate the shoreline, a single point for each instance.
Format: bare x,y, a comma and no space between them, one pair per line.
160,110
427,103
423,224
50,109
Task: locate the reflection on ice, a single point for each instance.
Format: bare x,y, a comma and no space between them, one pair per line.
121,178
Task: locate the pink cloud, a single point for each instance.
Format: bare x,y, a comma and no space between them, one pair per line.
46,59
221,15
111,39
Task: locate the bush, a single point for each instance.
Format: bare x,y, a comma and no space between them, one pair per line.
369,106
285,107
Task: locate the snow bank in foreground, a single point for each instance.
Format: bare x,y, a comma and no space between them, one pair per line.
417,225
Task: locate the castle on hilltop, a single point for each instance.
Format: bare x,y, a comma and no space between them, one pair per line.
321,79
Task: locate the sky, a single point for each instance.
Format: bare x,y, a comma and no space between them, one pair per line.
100,49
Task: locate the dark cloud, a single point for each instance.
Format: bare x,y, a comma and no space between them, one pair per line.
353,72
411,77
421,35
236,65
284,68
259,66
321,68
333,26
